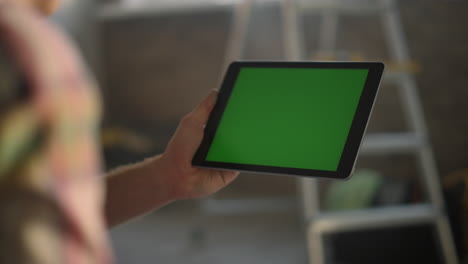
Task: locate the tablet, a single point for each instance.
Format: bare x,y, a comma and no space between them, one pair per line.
293,118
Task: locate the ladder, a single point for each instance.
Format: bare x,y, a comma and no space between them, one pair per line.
415,141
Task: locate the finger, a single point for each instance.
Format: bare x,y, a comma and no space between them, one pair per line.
226,176
203,110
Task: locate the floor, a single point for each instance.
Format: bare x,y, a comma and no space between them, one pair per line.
187,236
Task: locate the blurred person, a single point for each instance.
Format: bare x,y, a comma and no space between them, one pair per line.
53,207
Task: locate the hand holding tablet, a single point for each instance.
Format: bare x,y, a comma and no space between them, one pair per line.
294,118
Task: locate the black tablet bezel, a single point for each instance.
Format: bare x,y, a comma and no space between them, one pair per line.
353,141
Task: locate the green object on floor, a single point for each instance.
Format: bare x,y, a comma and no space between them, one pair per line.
357,193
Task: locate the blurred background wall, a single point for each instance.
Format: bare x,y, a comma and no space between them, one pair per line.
155,62
79,19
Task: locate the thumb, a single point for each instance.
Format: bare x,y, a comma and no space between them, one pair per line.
203,110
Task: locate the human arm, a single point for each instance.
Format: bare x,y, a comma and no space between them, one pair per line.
140,188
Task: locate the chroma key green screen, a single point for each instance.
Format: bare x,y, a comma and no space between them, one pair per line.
288,117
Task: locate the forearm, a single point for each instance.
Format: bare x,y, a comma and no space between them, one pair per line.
137,189
134,190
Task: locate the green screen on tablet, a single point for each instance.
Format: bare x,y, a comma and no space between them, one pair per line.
287,117
260,115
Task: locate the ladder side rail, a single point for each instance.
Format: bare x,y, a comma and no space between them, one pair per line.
237,39
413,108
292,34
307,188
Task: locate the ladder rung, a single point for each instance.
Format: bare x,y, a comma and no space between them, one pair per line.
385,143
373,218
